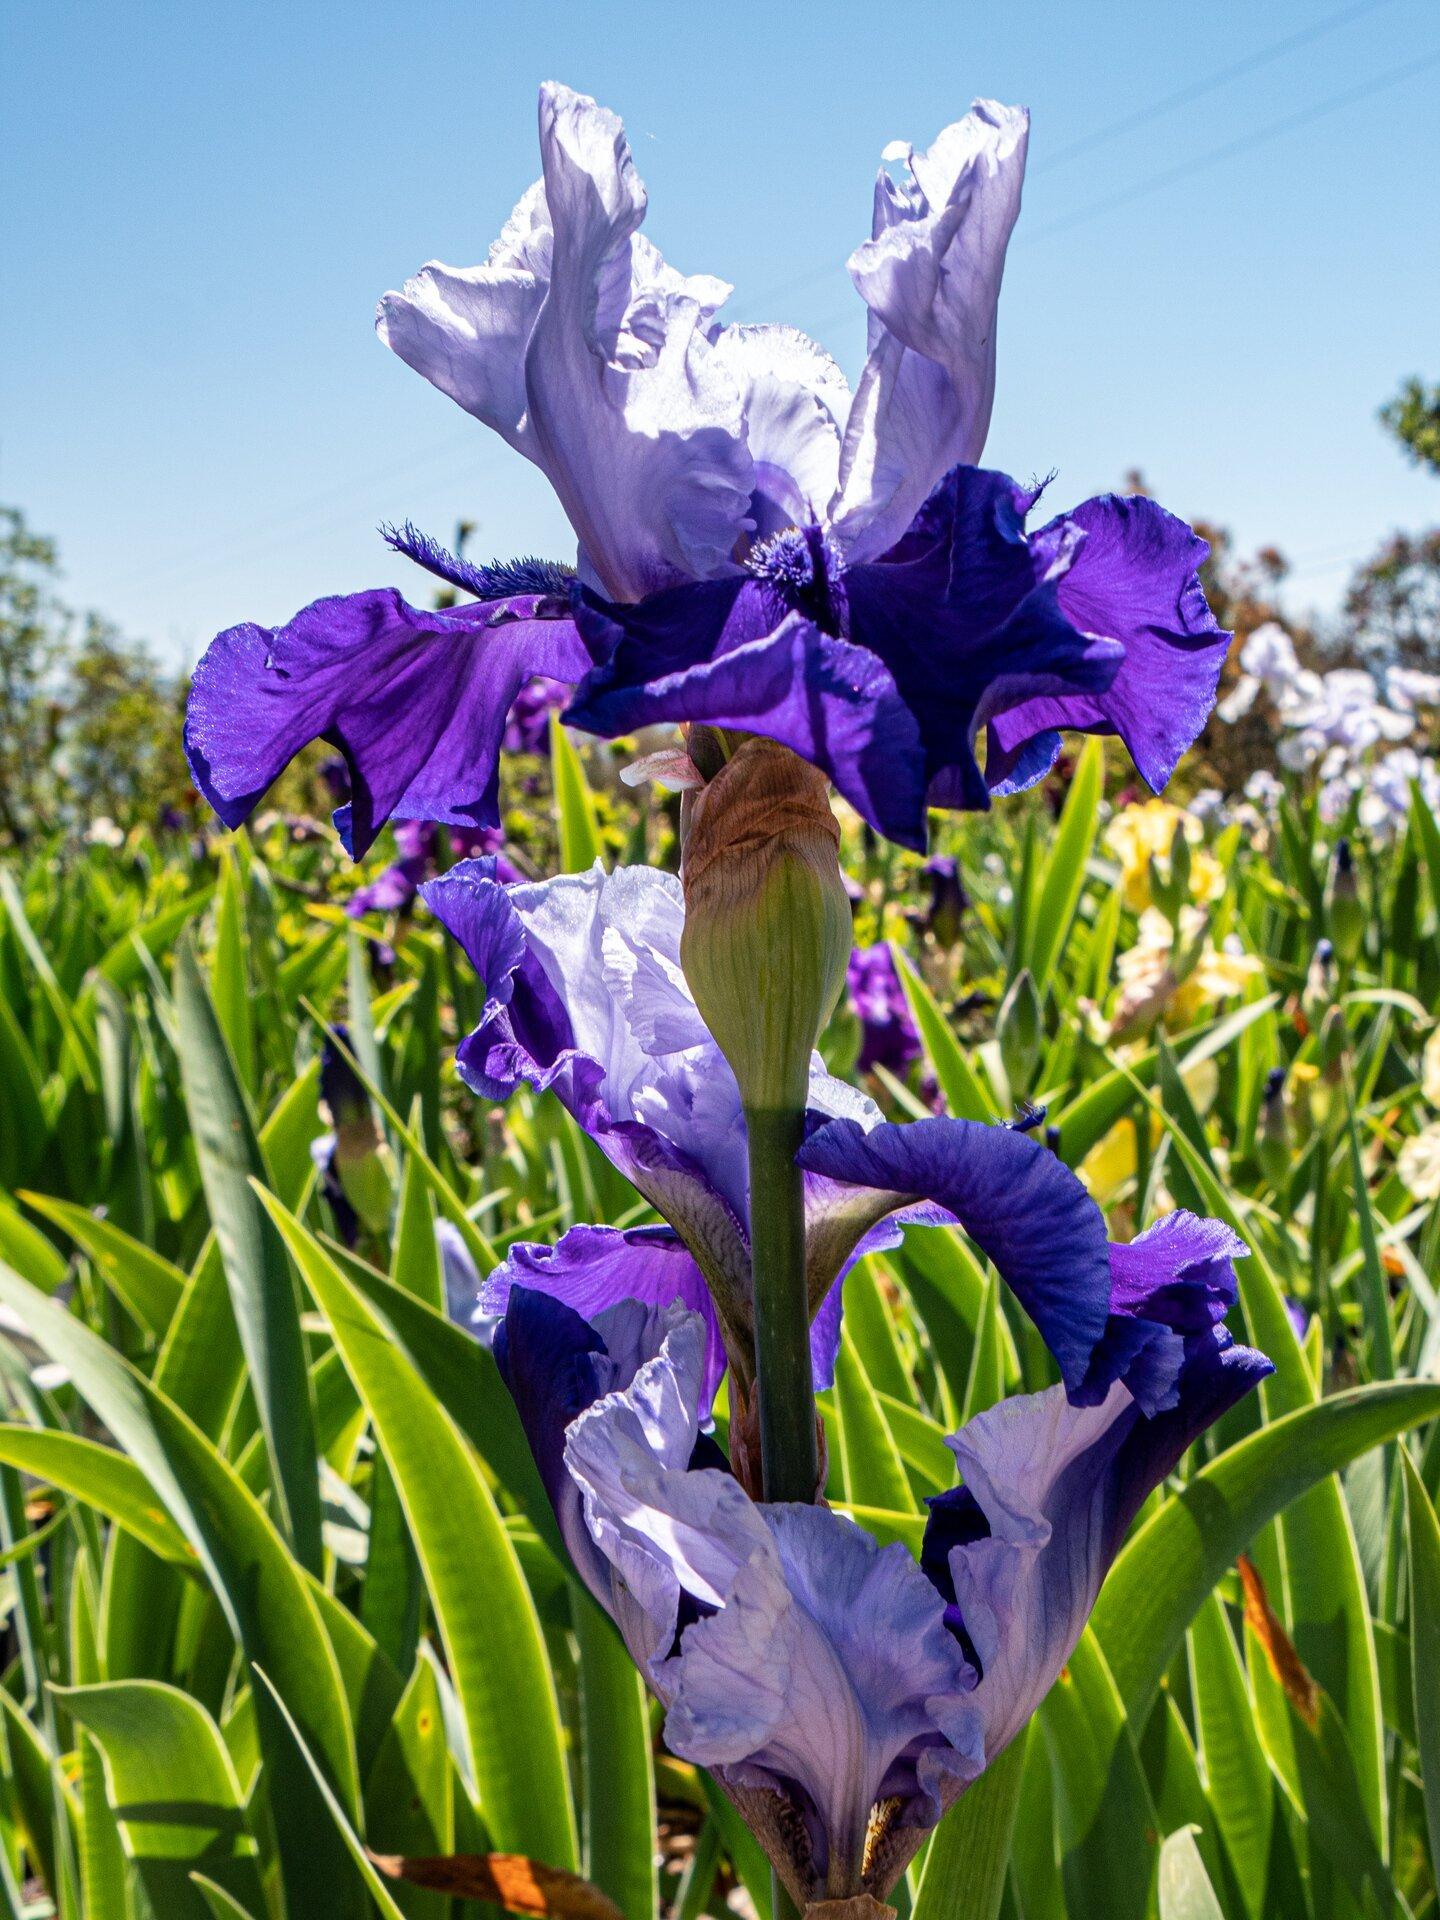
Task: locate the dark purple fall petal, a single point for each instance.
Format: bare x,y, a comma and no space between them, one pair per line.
1021,1205
415,700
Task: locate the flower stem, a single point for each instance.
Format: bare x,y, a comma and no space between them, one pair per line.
782,1907
789,1457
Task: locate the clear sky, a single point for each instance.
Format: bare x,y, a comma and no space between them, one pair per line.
1229,255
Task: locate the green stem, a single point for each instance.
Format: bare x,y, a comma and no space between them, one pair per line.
782,1907
789,1458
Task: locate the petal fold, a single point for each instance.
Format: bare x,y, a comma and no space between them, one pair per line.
415,699
930,275
1021,1205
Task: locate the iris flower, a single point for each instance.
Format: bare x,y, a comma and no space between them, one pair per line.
757,547
842,1694
888,1036
585,997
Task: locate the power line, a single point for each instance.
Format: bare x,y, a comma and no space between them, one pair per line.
1197,89
1210,83
297,517
1245,144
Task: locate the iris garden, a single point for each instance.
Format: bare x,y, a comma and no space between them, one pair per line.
853,1333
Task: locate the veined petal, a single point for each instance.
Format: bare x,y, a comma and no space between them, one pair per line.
638,429
833,703
795,401
810,1660
826,1676
594,1268
930,276
414,699
1021,1205
553,1019
1049,1491
1133,578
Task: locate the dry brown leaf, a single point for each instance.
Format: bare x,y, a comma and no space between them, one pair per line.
508,1880
1285,1663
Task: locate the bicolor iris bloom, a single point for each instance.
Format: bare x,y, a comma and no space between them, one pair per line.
585,997
842,1694
757,547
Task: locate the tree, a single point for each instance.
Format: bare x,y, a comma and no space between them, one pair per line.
34,628
1392,605
122,752
1413,416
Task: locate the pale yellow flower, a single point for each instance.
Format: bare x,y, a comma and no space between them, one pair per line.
1139,834
1419,1163
1148,987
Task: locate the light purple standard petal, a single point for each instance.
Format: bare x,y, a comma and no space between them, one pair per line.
1049,1491
586,997
578,344
811,1662
1134,578
414,699
582,978
930,276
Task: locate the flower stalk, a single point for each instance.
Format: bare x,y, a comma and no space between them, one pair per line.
785,1385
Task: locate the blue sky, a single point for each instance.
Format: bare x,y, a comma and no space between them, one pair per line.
204,204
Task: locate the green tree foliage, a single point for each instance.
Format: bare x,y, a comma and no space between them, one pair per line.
1413,416
89,720
33,630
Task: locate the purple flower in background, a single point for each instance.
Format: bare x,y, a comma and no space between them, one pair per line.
585,997
843,1695
527,730
394,888
887,1033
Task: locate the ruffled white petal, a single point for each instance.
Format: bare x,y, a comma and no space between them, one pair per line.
930,276
795,400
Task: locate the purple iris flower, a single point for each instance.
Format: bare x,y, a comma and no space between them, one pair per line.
528,728
841,1694
888,1037
585,997
883,672
757,546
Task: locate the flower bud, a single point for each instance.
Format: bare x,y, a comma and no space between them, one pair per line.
767,922
1330,1048
355,1163
948,900
1273,1145
1319,988
1344,913
1021,1031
